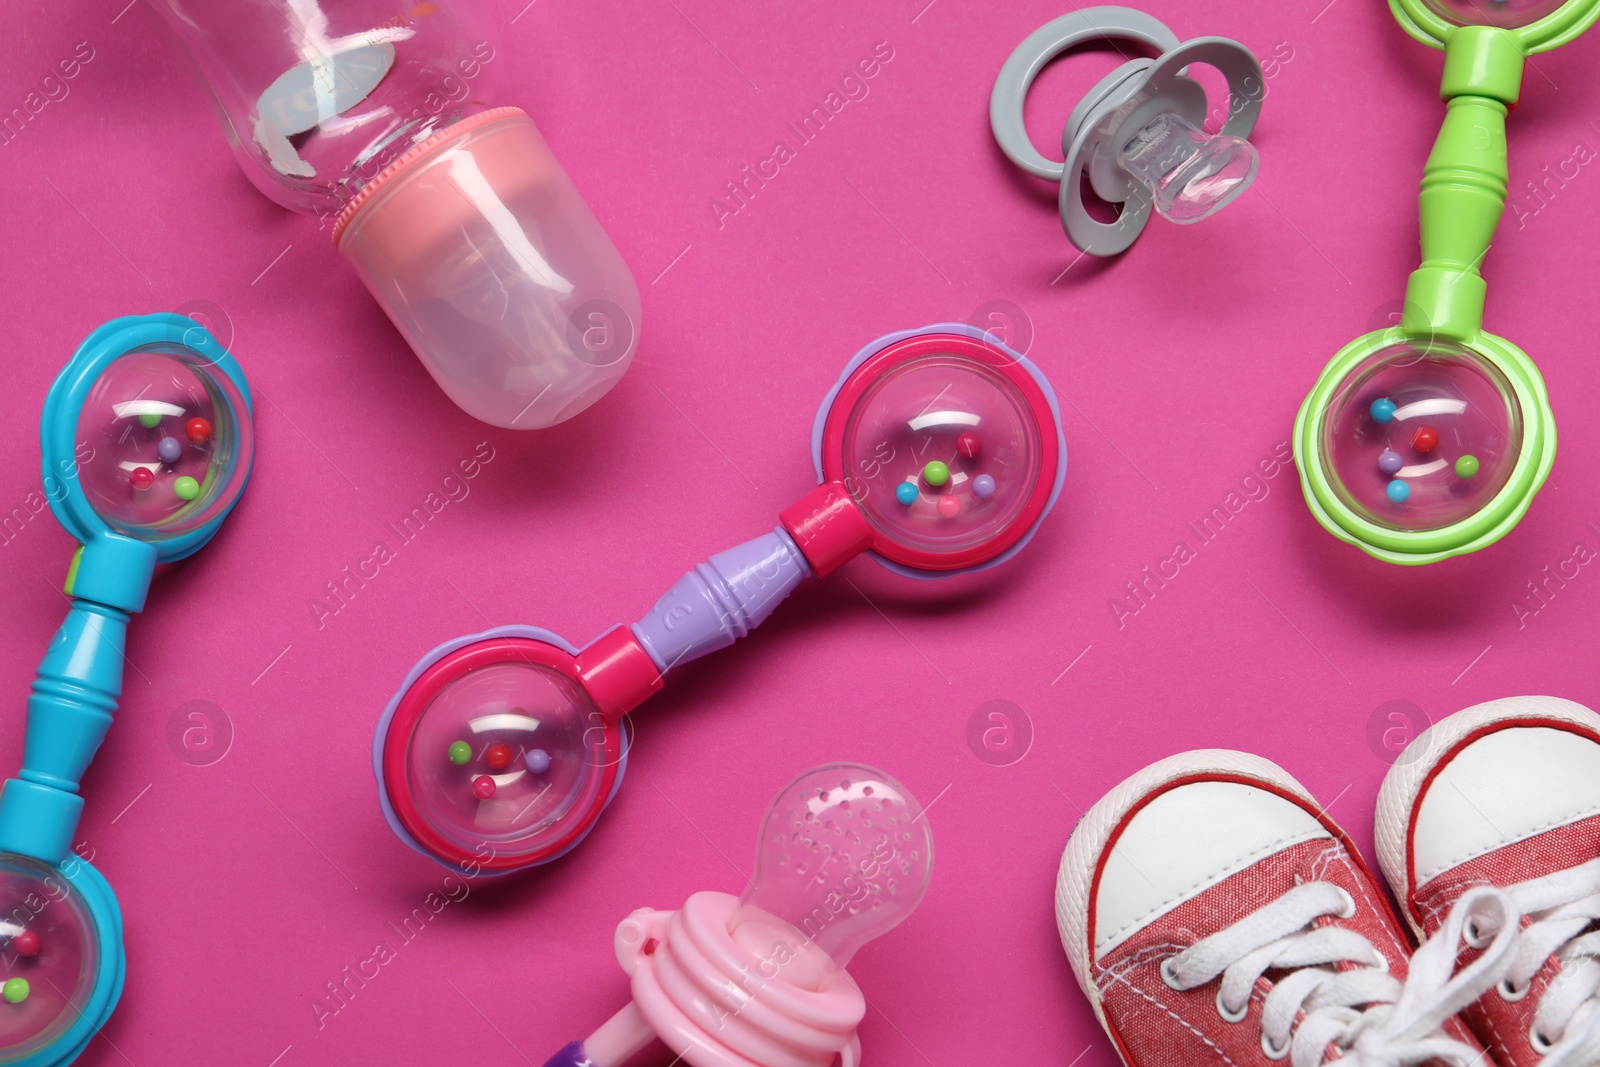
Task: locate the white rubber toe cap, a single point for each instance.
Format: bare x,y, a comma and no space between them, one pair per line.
1165,835
1484,778
1505,786
1183,842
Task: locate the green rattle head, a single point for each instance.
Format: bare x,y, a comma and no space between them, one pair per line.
1430,440
1420,449
1537,25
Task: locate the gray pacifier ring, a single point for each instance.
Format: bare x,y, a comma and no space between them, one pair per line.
1120,105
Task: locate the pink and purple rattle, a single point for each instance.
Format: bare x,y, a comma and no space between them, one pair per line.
939,451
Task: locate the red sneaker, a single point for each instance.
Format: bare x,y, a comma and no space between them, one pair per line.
1214,914
1507,794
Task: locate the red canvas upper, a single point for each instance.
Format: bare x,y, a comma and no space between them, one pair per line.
1158,1026
1504,1024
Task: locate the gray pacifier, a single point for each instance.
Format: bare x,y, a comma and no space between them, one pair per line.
1139,135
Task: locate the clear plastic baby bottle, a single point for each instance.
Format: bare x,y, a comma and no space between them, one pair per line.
375,116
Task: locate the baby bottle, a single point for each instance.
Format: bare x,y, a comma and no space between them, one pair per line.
376,116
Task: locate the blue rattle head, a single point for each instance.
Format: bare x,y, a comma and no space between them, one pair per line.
147,446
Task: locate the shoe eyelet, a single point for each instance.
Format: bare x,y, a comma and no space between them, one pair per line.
1271,1051
1537,1040
1228,1016
1473,936
1510,993
1169,973
1349,911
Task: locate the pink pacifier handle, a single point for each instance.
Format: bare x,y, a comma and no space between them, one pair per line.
717,1004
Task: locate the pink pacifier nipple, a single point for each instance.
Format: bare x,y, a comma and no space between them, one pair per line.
844,857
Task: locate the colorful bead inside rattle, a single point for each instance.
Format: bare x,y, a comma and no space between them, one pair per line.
1419,438
943,454
48,956
1507,14
498,756
162,444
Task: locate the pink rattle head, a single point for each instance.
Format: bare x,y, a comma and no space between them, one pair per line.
948,446
844,856
502,754
1421,439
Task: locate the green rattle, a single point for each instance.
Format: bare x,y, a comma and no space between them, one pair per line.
1429,439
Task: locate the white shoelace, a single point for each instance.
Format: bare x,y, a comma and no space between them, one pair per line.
1363,1009
1561,907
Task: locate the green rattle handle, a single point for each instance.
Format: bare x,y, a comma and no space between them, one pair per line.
1464,183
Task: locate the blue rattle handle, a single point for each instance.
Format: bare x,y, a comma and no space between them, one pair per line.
75,693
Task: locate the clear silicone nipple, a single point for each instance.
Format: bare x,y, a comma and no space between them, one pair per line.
845,855
1192,174
163,443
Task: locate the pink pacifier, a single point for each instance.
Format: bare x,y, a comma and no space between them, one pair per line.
939,451
844,857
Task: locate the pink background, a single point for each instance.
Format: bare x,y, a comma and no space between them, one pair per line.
250,883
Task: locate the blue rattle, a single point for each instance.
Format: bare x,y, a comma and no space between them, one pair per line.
147,446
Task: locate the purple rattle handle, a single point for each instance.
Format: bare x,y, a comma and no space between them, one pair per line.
572,1055
721,600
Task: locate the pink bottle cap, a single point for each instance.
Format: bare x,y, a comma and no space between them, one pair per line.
491,265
